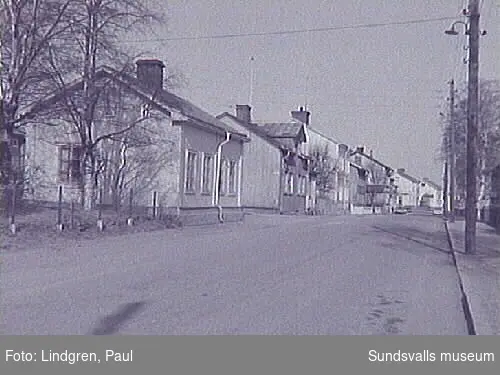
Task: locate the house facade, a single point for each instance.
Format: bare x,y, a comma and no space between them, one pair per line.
379,189
358,199
151,141
407,189
334,170
430,194
276,172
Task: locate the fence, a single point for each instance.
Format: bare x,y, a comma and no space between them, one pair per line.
326,206
67,214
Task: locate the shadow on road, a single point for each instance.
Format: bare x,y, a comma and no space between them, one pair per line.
112,323
414,235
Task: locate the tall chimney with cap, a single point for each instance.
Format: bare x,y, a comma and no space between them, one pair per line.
301,115
150,73
244,113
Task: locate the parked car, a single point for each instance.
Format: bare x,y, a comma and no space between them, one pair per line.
437,211
401,210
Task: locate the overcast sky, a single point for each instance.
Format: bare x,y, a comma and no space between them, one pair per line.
382,87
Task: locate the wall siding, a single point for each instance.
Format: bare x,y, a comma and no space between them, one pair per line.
42,155
261,171
206,142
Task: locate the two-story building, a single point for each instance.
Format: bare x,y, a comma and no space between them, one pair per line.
379,188
407,189
430,194
332,182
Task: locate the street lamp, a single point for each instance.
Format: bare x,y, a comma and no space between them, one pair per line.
472,30
453,31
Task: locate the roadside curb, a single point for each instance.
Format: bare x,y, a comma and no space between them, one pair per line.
469,318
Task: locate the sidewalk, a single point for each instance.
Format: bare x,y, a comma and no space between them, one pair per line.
480,275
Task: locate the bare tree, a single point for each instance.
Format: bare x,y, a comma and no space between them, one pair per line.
324,169
26,28
489,138
96,27
377,175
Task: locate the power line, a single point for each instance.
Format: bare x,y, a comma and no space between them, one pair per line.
298,31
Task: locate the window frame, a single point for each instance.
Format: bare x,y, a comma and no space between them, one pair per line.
69,166
232,182
289,183
190,188
206,183
223,173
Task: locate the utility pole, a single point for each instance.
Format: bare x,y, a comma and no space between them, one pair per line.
445,190
472,128
452,153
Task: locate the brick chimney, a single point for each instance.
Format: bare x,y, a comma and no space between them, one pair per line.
371,154
150,73
301,115
360,149
401,170
244,113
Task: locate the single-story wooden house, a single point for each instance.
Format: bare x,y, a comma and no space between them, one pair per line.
151,141
276,170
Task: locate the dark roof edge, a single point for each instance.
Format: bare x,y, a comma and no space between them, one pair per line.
110,73
252,129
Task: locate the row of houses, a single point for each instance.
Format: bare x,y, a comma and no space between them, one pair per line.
205,167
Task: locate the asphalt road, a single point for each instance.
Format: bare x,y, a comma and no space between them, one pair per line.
373,275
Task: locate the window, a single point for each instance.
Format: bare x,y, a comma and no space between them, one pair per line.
70,158
232,177
223,177
190,171
206,178
304,185
289,183
145,110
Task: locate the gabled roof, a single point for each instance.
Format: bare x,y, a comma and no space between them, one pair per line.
372,159
311,129
431,183
282,143
408,177
282,129
162,99
253,128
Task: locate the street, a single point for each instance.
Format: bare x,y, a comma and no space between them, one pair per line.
344,275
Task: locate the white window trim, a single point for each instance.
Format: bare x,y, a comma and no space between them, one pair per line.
240,177
202,173
235,177
224,172
188,151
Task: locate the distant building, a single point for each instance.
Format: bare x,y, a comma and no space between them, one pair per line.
430,194
407,189
379,189
276,169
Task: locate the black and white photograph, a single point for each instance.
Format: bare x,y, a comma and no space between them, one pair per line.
283,167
